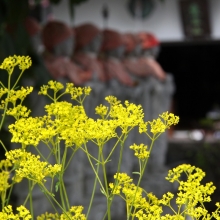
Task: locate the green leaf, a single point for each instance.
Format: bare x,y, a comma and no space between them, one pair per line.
136,173
57,186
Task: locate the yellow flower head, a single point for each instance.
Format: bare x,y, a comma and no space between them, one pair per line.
140,151
49,216
75,213
7,213
29,166
9,63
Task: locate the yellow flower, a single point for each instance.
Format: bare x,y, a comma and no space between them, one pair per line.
9,63
140,151
29,166
7,213
75,213
127,116
101,110
4,177
19,112
24,62
49,216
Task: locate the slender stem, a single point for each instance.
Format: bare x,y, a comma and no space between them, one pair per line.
31,199
90,155
118,169
30,189
94,170
140,177
3,195
65,194
113,148
106,186
71,157
17,79
62,183
48,198
41,155
6,104
9,194
2,84
49,194
94,187
3,146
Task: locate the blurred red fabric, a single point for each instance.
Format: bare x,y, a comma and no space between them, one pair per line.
148,40
55,32
84,34
111,40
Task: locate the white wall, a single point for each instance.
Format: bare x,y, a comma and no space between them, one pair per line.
164,21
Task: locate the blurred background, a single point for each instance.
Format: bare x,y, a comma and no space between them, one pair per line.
182,37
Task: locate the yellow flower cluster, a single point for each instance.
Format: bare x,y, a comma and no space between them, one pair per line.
71,123
191,192
142,207
159,125
121,179
49,216
75,92
127,116
75,213
19,94
13,96
29,166
4,175
7,213
27,130
140,151
19,112
101,110
24,62
53,85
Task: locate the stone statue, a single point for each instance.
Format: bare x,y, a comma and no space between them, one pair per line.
88,42
123,86
157,95
36,104
58,40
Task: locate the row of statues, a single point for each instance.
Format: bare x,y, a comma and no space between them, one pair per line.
111,63
89,53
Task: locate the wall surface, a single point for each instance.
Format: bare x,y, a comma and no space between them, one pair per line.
164,21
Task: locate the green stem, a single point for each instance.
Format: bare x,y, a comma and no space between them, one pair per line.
31,199
94,170
9,194
17,79
30,189
3,146
6,105
106,186
118,170
94,187
119,139
62,182
49,194
70,159
140,177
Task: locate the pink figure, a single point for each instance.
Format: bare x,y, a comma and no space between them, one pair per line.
88,43
58,40
150,49
113,50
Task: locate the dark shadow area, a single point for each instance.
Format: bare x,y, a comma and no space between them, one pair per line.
195,67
